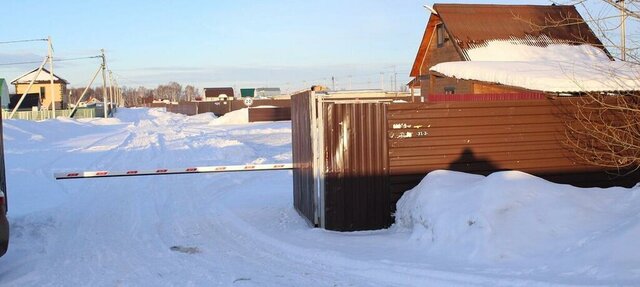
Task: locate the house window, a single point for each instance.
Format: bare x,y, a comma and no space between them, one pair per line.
42,93
449,90
440,34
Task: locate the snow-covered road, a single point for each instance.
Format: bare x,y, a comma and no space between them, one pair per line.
230,229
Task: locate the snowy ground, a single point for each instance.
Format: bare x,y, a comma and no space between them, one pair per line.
240,229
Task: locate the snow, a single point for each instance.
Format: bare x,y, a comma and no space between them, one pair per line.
515,219
549,76
240,116
541,65
241,229
518,50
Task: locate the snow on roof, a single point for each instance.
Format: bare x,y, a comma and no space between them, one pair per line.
44,76
549,76
531,49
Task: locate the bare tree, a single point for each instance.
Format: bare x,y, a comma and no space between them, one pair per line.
603,129
191,92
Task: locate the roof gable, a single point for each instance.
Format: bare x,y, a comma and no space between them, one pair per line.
44,76
424,44
499,27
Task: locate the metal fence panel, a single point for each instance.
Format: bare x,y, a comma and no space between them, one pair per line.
356,195
303,157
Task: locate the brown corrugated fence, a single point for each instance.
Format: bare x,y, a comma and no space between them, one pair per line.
304,199
374,152
356,181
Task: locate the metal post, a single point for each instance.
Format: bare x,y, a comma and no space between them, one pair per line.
53,95
104,83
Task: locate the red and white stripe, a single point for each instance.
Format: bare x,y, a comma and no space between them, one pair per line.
164,171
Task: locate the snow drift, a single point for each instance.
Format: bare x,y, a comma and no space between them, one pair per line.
516,219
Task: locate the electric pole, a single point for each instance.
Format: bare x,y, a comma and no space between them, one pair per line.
111,89
104,84
51,88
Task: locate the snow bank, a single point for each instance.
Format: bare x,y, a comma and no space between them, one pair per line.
516,219
240,116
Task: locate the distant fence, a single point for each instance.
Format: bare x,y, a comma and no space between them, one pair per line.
269,114
260,110
365,155
220,108
44,115
185,108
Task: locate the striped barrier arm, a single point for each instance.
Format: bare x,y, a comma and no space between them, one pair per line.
166,171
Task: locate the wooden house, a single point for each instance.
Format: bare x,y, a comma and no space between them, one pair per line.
511,49
41,86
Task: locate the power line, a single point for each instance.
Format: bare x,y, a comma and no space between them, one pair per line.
55,60
22,41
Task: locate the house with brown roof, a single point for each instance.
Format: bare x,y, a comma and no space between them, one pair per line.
42,86
508,49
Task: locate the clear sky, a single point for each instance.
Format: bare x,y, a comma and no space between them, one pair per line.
241,43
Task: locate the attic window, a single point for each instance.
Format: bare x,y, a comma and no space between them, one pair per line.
440,34
449,90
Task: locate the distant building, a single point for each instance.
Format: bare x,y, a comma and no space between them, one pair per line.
42,86
260,92
220,93
4,93
248,92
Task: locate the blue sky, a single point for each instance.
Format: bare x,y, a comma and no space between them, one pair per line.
288,44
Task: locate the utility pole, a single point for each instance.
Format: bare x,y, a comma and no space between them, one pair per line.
333,83
51,88
111,81
104,83
391,84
